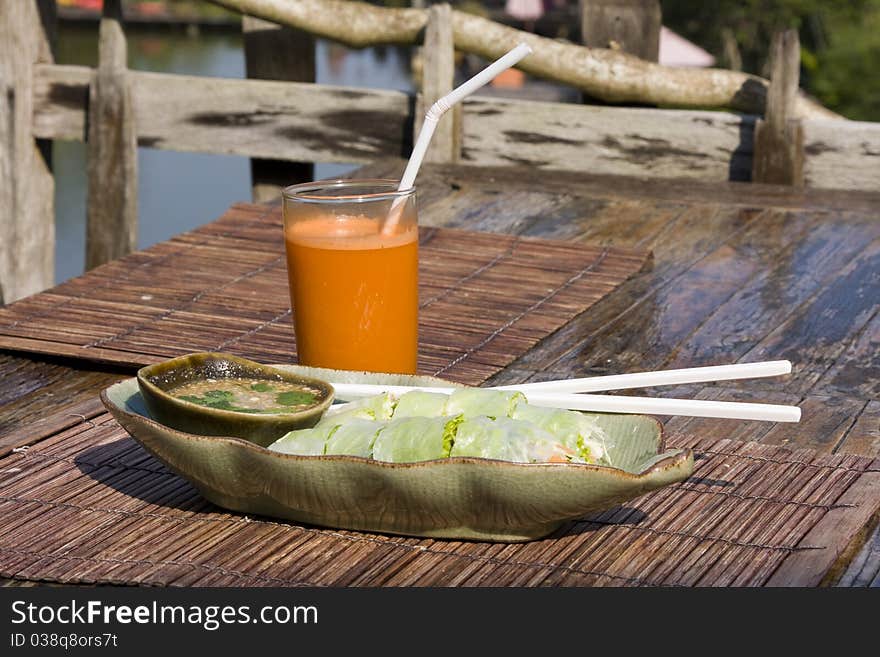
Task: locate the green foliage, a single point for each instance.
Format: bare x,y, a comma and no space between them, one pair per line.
839,41
845,77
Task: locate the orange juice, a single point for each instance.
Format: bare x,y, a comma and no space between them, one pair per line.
354,293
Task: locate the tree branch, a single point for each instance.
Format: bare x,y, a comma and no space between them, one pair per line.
610,75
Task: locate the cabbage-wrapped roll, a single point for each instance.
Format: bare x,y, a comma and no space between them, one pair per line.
354,438
575,430
473,402
416,439
421,404
508,440
378,407
305,442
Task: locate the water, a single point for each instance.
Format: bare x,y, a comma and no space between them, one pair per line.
179,191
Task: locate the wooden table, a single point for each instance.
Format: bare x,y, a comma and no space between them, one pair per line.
740,272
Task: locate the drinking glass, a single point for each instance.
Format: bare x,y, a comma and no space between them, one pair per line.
353,274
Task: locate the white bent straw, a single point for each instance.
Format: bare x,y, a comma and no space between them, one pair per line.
610,403
660,378
433,116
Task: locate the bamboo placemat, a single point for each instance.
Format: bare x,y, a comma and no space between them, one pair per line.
485,299
88,505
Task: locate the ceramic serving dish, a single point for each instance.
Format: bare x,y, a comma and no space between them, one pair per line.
461,498
155,381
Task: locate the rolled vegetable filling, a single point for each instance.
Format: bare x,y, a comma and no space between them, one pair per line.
421,404
508,440
471,422
305,442
379,407
354,438
577,431
472,402
416,439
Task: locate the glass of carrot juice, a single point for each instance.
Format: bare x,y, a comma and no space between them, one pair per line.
353,274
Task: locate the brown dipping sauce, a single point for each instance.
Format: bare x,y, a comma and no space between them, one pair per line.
247,395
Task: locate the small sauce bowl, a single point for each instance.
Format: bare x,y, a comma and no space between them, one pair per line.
214,414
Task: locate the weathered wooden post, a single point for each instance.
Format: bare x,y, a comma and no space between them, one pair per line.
112,206
629,25
437,80
779,141
27,188
273,52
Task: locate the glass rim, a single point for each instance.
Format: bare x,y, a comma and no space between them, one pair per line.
310,192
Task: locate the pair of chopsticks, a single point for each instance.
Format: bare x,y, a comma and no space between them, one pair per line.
569,393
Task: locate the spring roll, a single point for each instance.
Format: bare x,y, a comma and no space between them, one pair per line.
354,438
575,430
421,404
378,407
506,439
473,402
416,439
305,442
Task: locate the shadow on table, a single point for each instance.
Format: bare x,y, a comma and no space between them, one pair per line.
127,468
624,516
598,521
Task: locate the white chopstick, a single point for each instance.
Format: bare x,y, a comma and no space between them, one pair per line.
662,406
660,378
610,403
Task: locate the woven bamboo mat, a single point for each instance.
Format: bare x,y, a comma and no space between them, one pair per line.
485,299
88,505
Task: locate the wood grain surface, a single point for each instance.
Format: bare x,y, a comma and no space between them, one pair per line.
111,149
741,272
27,195
484,299
89,505
290,121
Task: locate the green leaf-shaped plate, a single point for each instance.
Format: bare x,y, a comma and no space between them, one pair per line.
462,498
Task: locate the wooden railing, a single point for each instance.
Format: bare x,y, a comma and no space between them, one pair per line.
115,109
